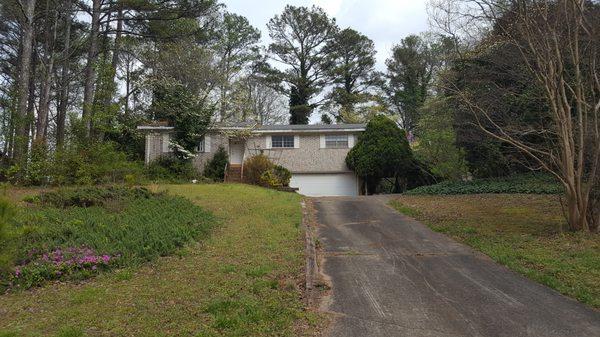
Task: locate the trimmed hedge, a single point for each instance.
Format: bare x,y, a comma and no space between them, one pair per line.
524,183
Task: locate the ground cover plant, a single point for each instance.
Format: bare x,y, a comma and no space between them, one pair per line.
523,183
75,233
242,280
522,232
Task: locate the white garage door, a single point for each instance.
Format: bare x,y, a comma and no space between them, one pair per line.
331,184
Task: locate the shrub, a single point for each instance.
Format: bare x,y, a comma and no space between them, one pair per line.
171,168
215,168
89,164
381,151
284,175
277,176
524,183
255,167
269,179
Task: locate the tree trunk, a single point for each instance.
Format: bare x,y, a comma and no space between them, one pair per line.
30,120
576,211
116,51
44,105
61,113
127,89
103,93
117,47
22,137
90,72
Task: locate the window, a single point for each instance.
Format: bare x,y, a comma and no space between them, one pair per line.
282,141
336,141
201,145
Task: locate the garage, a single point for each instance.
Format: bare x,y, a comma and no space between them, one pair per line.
325,184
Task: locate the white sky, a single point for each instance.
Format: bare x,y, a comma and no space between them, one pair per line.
385,22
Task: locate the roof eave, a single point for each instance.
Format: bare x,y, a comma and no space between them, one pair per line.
159,128
169,128
310,131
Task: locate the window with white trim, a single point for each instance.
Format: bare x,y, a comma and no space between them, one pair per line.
336,141
201,145
282,141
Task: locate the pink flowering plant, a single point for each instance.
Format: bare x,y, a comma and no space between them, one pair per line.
70,263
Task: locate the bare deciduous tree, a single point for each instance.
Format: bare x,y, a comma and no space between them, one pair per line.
559,43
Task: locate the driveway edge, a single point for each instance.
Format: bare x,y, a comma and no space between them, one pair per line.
310,251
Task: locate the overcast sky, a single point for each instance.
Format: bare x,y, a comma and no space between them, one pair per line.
385,22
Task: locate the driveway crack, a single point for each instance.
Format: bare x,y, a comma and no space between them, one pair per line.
394,324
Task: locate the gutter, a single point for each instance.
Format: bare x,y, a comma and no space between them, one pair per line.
257,131
157,128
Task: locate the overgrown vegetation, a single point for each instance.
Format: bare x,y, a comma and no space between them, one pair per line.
76,233
78,164
522,232
171,169
524,183
436,144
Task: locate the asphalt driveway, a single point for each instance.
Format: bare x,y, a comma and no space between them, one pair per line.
392,276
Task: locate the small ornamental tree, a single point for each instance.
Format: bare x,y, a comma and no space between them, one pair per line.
381,151
186,113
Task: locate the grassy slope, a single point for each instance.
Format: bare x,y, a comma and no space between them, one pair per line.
136,228
239,282
519,231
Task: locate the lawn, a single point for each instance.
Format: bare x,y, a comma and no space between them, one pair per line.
519,231
242,280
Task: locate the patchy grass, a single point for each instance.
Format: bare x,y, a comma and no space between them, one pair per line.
519,231
241,281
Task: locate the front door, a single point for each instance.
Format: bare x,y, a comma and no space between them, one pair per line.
236,152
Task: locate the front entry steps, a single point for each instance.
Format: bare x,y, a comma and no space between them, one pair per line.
234,173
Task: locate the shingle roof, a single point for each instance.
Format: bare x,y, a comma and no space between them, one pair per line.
313,127
267,128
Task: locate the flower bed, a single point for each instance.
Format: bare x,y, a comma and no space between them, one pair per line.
77,233
59,264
